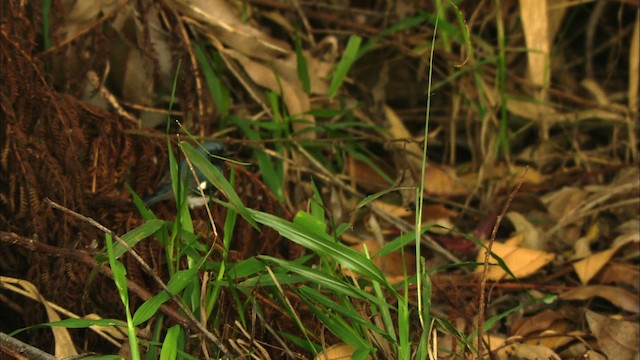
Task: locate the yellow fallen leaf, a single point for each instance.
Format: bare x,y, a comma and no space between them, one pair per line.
340,351
590,266
615,295
521,261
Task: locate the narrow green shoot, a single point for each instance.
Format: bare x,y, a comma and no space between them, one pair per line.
420,192
120,278
348,58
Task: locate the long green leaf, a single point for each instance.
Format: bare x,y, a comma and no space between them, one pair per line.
321,243
348,58
215,176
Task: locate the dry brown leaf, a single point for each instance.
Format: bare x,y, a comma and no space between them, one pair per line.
442,181
548,328
494,341
535,24
618,339
615,295
537,323
526,351
364,177
556,15
340,351
504,176
521,261
287,68
620,274
582,246
629,232
532,238
84,13
224,22
393,264
581,350
564,201
588,267
296,99
439,180
397,130
393,209
64,346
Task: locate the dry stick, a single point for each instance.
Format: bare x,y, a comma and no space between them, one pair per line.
148,270
487,254
83,257
21,349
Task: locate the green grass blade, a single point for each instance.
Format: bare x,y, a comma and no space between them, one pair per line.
321,243
215,176
348,58
326,281
302,68
218,92
136,235
170,344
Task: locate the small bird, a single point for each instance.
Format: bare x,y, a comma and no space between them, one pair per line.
212,150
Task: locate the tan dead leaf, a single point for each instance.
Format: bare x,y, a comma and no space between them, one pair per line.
528,174
589,267
535,324
432,212
438,217
556,15
397,130
393,209
134,73
494,341
527,109
83,13
515,240
596,90
621,274
615,295
563,201
63,344
442,181
224,22
629,232
296,99
548,329
535,25
521,261
318,71
526,351
618,339
364,177
340,351
393,264
439,180
582,246
555,337
532,238
503,176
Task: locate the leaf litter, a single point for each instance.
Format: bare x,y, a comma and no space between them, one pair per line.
78,121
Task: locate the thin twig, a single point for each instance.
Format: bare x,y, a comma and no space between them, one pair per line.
81,256
148,270
487,254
